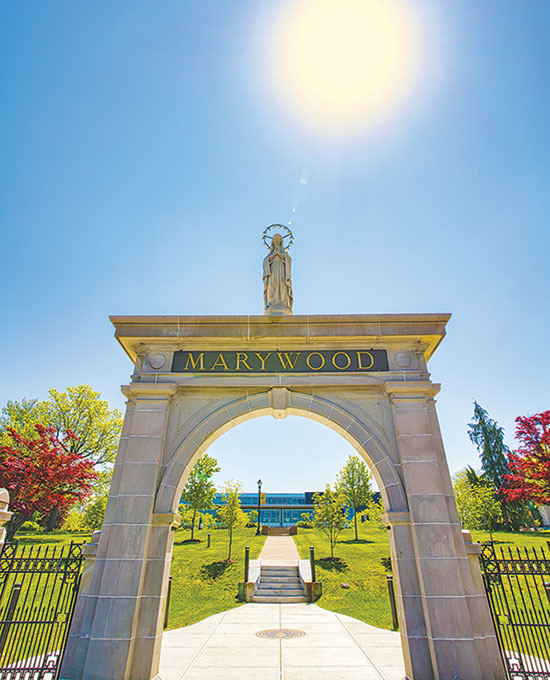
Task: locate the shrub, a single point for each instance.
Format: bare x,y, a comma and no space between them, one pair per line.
31,526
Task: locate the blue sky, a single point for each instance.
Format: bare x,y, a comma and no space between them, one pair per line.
144,150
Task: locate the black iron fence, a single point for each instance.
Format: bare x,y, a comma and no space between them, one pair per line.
517,582
38,588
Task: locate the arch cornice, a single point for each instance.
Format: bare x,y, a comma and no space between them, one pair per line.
279,402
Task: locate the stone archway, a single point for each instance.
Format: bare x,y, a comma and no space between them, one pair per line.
377,394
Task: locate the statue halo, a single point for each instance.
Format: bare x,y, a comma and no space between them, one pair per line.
286,234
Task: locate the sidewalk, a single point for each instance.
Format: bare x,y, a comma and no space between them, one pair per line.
333,647
280,550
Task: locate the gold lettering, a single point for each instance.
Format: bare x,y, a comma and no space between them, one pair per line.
194,362
220,361
244,360
263,359
315,368
340,368
287,360
360,362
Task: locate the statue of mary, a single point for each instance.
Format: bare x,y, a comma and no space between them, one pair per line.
277,281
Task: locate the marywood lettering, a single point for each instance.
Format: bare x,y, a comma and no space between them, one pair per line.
280,361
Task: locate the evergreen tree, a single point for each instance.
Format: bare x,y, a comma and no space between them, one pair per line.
199,490
354,482
488,437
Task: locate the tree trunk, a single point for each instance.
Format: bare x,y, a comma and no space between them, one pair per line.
230,542
505,515
355,518
193,525
52,518
14,524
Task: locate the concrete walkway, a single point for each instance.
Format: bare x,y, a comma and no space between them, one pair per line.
334,647
279,550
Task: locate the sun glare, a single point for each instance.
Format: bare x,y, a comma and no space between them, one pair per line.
341,65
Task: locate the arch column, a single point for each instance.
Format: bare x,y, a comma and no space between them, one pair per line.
458,629
119,631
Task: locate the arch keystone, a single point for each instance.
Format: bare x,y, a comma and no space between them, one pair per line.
279,401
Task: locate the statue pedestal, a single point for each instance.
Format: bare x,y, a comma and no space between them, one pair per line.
278,310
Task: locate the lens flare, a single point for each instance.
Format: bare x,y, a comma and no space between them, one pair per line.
341,65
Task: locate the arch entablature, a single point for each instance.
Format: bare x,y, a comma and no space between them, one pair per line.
280,402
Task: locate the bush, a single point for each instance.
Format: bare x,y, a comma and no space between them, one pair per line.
74,522
33,527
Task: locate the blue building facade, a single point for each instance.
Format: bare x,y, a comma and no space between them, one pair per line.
277,509
281,509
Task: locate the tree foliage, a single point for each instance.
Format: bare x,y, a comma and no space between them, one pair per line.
478,505
354,482
488,437
529,465
81,410
199,490
230,513
42,473
372,514
329,514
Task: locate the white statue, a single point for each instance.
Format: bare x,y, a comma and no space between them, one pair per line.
277,278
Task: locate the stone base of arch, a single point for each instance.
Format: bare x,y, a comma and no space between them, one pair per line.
388,416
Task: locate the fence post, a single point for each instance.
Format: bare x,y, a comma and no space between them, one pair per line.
312,562
168,594
246,563
391,592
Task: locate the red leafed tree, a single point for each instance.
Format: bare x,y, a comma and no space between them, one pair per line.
42,473
529,465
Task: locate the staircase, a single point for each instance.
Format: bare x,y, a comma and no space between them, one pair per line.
279,584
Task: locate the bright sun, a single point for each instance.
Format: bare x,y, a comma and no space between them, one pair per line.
342,65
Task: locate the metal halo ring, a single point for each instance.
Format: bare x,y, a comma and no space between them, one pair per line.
286,234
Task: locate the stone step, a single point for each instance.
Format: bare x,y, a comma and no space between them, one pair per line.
279,599
291,592
278,567
281,583
278,572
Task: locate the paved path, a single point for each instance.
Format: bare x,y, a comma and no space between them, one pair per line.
335,647
280,550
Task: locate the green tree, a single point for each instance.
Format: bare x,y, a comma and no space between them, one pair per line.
20,416
199,490
94,512
230,513
373,512
329,514
477,503
81,410
355,483
488,437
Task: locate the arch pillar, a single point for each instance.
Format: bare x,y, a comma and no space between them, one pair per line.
119,628
456,624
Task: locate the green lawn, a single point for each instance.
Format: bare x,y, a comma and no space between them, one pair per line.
362,567
203,582
514,539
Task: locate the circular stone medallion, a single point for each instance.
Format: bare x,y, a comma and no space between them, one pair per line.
280,633
157,360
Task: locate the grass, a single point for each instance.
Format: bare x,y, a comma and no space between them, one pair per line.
359,564
203,582
514,539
